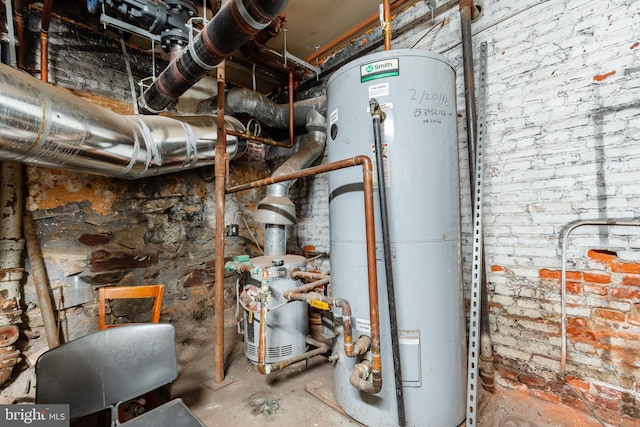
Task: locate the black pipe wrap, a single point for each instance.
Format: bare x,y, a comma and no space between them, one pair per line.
224,34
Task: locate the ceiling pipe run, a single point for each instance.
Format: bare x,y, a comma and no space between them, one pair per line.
43,125
351,33
235,23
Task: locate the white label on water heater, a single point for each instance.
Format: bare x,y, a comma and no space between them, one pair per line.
381,89
333,117
363,325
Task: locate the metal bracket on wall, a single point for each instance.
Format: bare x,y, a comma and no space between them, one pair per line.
476,267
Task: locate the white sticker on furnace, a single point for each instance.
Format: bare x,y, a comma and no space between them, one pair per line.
381,89
363,325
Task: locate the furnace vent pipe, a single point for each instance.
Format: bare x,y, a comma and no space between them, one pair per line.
235,23
257,105
276,211
43,125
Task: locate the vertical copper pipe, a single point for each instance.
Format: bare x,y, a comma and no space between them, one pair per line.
386,14
375,385
44,40
41,281
291,108
220,184
17,16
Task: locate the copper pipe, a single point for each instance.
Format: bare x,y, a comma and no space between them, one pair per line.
44,40
259,139
368,23
386,14
220,184
291,108
307,275
262,332
17,16
322,348
41,281
372,275
345,307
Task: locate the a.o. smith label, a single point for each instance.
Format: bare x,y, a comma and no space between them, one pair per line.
377,70
40,415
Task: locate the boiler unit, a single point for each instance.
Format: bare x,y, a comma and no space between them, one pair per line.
287,322
416,92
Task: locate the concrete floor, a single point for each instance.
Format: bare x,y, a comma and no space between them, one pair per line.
301,394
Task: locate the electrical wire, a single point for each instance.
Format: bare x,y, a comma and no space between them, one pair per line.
253,237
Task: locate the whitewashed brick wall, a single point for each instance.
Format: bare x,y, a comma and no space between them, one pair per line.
563,144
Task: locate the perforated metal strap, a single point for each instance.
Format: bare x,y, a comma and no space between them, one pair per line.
476,267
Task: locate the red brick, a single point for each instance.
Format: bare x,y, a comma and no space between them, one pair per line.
596,289
544,395
631,280
633,319
625,293
574,287
629,422
507,373
498,269
597,278
532,381
557,274
577,383
602,402
608,257
626,267
608,314
579,321
608,391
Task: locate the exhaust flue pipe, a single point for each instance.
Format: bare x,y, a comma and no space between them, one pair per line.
43,125
235,23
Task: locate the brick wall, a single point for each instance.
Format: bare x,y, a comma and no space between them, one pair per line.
562,145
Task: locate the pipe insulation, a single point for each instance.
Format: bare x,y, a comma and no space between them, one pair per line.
235,23
44,125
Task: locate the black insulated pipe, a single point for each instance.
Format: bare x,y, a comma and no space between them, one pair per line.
378,117
235,23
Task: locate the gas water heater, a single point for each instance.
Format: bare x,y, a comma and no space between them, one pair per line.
287,324
416,91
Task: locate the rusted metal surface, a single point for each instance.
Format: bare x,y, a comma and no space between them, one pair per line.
220,174
41,281
375,384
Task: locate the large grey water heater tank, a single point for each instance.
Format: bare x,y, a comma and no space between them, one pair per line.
416,90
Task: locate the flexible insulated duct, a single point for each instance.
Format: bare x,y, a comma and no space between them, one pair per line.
235,23
43,125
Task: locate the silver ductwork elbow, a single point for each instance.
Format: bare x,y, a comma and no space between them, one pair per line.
259,106
44,125
276,210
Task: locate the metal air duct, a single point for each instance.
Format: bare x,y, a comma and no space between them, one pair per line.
43,125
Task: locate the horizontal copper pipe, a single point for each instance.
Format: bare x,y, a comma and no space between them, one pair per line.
368,23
